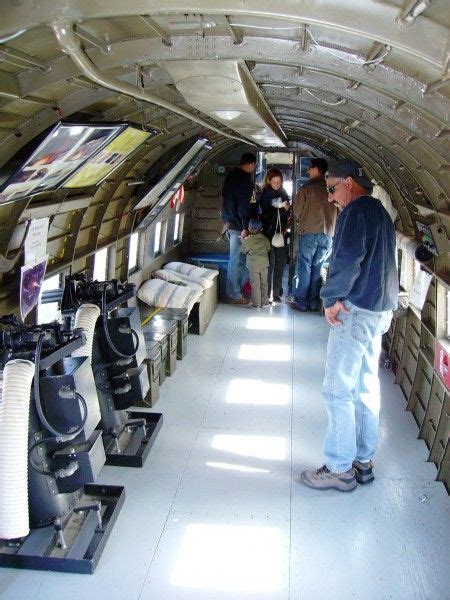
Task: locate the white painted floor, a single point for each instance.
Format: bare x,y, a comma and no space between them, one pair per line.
217,513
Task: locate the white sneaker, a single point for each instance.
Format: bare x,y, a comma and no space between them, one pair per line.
266,305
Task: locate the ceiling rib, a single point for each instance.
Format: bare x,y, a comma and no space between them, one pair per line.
160,32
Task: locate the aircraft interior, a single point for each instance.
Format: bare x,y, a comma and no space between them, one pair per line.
152,433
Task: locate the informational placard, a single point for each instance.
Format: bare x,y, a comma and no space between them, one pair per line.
36,240
419,290
64,150
108,159
31,280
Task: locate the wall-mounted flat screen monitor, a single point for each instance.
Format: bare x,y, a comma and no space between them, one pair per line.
112,156
63,151
161,193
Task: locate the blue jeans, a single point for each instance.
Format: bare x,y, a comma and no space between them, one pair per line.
313,250
237,272
351,387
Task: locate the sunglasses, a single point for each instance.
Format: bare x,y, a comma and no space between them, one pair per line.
331,188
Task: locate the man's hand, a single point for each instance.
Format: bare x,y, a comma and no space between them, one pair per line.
244,233
332,312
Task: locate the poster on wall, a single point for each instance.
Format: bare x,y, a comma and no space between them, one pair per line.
31,280
108,159
62,152
36,241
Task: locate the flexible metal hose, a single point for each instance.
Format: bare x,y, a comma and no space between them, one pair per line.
14,520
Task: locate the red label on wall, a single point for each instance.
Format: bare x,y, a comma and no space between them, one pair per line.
441,360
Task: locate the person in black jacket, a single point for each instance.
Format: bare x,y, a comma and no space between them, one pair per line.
274,206
237,209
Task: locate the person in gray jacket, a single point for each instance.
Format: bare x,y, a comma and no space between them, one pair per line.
257,248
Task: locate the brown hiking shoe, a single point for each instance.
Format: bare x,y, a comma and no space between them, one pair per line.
238,301
324,479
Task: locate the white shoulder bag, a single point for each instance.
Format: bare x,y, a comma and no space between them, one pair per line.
278,237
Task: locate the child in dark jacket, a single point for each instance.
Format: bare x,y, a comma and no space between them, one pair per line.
257,247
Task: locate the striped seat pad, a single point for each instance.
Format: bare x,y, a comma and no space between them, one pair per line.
156,292
174,277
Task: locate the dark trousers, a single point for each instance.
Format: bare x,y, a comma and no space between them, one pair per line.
313,250
277,262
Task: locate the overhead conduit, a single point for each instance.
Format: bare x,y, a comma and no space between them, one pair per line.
71,45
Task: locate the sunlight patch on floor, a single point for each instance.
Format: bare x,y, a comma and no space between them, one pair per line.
257,392
267,352
230,558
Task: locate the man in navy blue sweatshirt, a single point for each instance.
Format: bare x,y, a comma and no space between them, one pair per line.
237,193
359,296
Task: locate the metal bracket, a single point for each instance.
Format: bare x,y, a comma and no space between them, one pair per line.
104,46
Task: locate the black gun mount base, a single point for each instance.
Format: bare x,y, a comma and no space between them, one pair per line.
132,444
74,543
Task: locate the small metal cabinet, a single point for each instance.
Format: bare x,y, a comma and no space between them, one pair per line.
181,316
153,362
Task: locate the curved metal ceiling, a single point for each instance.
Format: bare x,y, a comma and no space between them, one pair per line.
367,80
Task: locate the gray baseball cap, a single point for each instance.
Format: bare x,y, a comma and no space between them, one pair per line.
349,168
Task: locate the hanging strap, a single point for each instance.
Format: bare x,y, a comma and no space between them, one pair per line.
278,227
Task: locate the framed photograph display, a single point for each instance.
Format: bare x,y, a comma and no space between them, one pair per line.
63,151
104,162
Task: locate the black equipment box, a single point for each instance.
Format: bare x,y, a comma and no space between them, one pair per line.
170,329
181,316
90,457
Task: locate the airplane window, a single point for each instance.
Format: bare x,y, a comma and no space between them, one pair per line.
176,226
157,239
133,252
100,265
52,283
46,313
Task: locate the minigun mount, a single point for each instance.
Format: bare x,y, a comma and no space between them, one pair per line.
120,373
63,449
